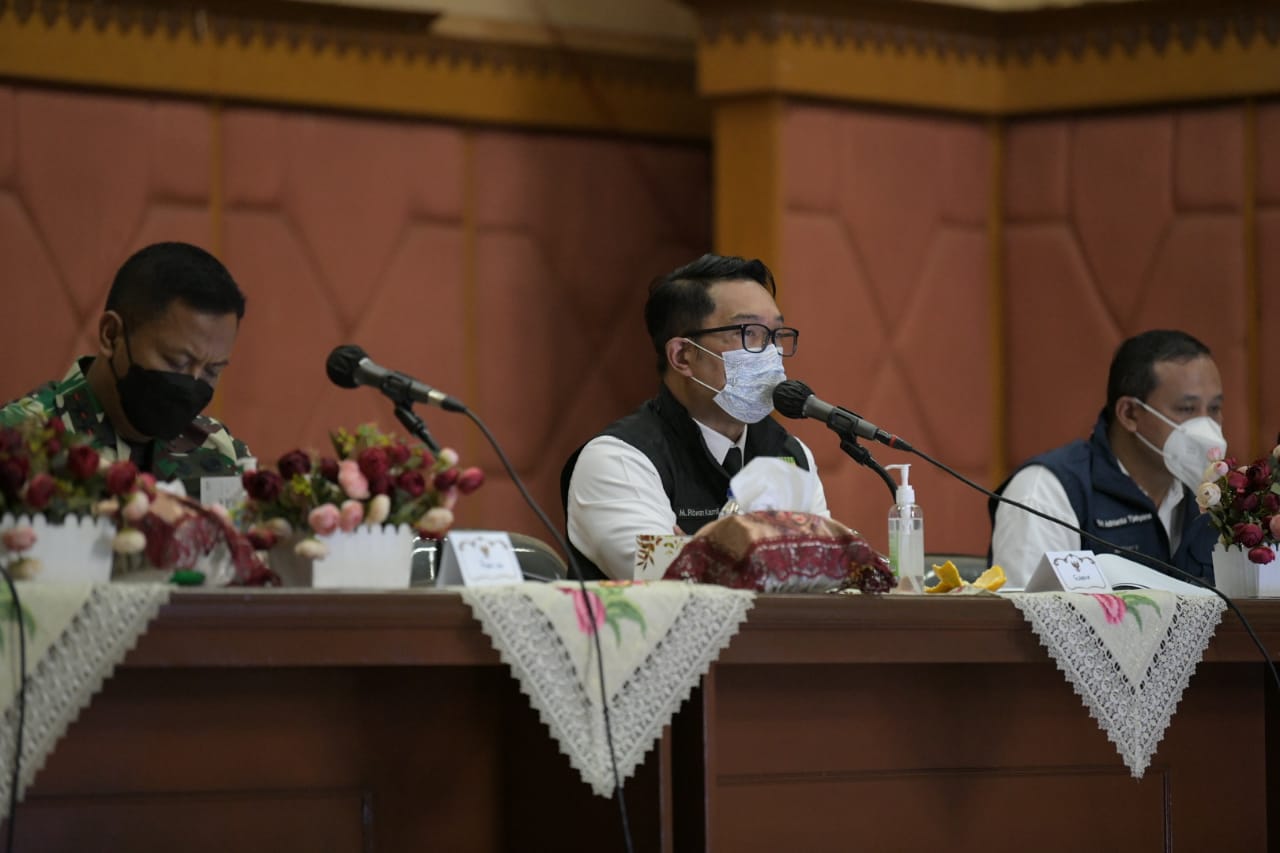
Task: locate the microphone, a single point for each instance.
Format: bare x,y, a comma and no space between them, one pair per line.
349,366
794,399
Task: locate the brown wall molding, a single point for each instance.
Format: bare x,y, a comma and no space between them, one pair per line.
992,63
343,58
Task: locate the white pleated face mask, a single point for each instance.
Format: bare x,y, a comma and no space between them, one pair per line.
749,380
1186,450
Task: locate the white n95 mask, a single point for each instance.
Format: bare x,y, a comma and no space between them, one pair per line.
1186,450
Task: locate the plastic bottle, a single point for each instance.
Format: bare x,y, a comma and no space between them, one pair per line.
906,536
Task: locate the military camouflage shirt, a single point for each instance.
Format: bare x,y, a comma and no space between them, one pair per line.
204,449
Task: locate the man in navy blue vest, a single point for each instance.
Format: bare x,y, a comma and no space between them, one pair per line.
720,341
1133,481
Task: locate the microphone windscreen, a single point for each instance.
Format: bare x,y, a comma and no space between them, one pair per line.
789,397
342,363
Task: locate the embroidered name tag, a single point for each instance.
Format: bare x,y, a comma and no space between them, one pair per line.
1124,520
692,512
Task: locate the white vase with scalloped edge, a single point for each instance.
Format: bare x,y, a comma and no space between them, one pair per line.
366,558
1236,576
76,550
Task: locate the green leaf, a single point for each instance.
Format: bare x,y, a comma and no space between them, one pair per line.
620,608
1134,600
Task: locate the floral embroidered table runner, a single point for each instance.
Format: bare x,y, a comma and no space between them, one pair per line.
1129,656
657,639
75,636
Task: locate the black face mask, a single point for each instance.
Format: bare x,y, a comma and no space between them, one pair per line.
158,403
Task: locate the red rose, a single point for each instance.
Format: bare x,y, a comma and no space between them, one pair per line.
1262,555
57,426
428,458
53,446
1247,535
120,477
470,480
412,483
1259,474
1249,503
1237,481
40,491
329,469
445,479
261,538
373,463
398,453
381,484
262,485
10,440
13,473
1271,502
82,462
293,463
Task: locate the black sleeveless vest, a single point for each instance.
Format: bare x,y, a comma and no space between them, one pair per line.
695,482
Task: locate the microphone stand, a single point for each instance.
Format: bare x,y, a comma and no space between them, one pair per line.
863,457
416,426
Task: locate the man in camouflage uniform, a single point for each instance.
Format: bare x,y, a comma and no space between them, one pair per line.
166,334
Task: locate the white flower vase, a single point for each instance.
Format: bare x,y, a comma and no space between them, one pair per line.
366,558
76,551
1236,576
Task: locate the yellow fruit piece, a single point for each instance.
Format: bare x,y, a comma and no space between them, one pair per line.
948,578
992,579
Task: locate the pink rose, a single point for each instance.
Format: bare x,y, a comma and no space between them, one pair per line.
352,481
18,538
40,491
1262,555
1218,469
1246,535
589,623
82,462
1113,608
350,516
470,480
121,477
324,519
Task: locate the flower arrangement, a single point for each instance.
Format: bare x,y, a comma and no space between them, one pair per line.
1243,502
371,479
44,471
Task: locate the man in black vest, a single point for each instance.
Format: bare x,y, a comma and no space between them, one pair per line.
1133,481
666,467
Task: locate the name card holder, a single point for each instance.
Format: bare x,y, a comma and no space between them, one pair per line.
1068,571
478,558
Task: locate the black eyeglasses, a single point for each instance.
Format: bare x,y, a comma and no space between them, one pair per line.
757,336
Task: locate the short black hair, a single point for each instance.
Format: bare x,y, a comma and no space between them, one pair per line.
163,273
1133,366
678,301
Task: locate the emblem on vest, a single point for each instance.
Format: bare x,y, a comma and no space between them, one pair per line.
1124,520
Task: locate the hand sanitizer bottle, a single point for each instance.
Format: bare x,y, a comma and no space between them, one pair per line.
906,536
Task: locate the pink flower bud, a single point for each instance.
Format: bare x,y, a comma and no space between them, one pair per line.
350,516
352,481
18,538
324,519
470,480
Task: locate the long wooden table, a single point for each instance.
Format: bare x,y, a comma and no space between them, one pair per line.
357,722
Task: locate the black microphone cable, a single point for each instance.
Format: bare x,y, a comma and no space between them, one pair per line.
15,777
1153,562
586,600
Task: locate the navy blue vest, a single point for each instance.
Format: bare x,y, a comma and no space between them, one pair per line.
695,482
1110,505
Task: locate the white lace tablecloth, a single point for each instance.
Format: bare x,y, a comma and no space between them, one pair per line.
76,634
657,640
1129,655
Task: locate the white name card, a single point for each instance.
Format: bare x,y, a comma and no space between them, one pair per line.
1069,571
227,491
478,558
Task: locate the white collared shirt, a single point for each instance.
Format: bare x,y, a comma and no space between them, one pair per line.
1019,539
616,493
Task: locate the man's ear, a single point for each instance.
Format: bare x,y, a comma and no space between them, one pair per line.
678,353
110,330
1126,413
